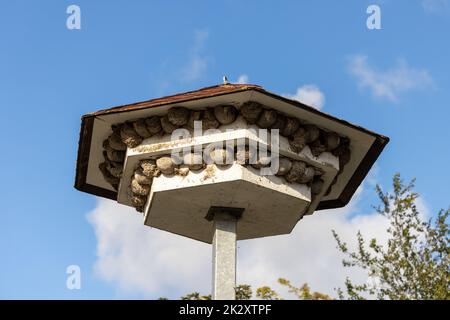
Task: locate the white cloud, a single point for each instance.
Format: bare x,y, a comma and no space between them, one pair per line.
435,6
309,95
146,261
388,84
153,263
198,63
243,79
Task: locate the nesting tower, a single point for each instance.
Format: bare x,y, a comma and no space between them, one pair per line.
223,163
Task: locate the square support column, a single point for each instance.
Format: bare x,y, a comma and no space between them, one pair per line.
224,255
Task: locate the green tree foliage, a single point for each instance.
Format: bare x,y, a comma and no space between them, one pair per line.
266,293
413,264
244,292
303,292
195,296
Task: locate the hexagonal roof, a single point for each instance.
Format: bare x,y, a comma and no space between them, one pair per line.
95,127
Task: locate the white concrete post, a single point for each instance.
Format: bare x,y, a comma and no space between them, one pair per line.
224,257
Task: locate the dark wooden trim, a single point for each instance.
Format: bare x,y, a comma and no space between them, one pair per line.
358,176
97,191
84,147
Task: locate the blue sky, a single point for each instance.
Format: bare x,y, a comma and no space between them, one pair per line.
393,81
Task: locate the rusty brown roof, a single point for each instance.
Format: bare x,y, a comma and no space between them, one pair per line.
180,97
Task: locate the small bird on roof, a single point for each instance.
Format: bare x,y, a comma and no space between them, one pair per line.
225,80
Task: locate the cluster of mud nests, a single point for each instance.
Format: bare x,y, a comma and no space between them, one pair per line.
299,133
